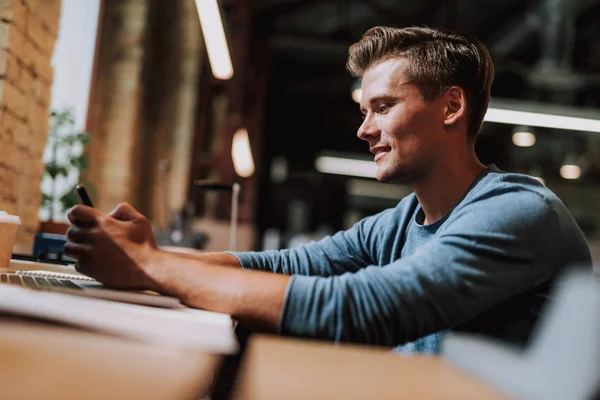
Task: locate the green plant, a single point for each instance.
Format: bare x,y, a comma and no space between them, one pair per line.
64,158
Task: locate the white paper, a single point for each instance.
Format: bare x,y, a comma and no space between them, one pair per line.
185,328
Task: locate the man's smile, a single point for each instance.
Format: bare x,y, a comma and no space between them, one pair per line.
380,151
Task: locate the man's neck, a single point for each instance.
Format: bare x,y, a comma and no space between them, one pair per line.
445,186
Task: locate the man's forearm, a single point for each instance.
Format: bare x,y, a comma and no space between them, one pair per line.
212,258
254,298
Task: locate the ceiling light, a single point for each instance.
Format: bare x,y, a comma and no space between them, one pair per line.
570,171
543,115
214,37
346,166
542,120
356,95
356,90
241,154
523,138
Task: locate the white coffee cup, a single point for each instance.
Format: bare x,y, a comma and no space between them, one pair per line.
9,224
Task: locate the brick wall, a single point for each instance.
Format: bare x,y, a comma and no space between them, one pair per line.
28,30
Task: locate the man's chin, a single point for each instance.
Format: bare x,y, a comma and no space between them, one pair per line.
384,176
396,176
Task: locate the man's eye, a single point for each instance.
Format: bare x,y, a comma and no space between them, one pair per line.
383,108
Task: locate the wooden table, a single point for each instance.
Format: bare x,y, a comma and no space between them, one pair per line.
276,368
40,361
45,361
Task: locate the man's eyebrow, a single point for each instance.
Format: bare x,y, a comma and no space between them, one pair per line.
389,97
382,98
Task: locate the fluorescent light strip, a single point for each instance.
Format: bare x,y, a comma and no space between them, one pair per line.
541,120
346,166
214,37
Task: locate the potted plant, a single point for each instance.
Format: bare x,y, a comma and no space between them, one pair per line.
64,161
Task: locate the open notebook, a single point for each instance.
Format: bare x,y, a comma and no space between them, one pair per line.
81,285
56,275
176,326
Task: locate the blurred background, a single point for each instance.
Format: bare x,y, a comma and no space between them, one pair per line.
149,104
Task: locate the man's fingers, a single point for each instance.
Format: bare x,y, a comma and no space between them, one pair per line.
77,234
80,267
125,212
77,251
83,216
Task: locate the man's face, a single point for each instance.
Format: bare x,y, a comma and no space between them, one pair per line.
405,133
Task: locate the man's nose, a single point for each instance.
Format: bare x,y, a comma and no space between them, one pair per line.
368,129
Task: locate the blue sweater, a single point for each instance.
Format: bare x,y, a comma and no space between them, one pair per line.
486,267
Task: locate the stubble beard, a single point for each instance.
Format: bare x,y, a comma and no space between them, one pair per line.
407,174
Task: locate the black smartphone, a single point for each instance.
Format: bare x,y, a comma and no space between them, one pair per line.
82,195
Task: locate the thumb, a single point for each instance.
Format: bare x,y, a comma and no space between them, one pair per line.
125,212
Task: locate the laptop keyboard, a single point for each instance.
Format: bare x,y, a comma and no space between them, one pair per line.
36,282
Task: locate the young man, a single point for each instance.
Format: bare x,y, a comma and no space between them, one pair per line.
473,248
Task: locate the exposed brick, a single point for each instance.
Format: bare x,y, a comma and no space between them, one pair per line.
12,128
48,12
12,99
27,81
11,157
29,196
12,41
40,36
28,206
33,85
35,169
28,31
38,131
8,183
38,63
36,146
38,119
31,4
5,131
43,92
29,212
30,168
10,69
15,12
6,204
21,135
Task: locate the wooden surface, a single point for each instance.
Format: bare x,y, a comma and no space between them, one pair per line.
44,361
41,361
275,369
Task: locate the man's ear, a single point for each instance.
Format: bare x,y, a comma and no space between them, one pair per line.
456,105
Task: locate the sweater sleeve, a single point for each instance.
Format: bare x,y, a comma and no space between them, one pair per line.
491,251
346,251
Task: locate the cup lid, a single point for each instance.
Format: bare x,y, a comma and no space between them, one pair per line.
6,217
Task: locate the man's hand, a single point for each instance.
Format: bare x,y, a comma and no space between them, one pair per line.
119,250
114,249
